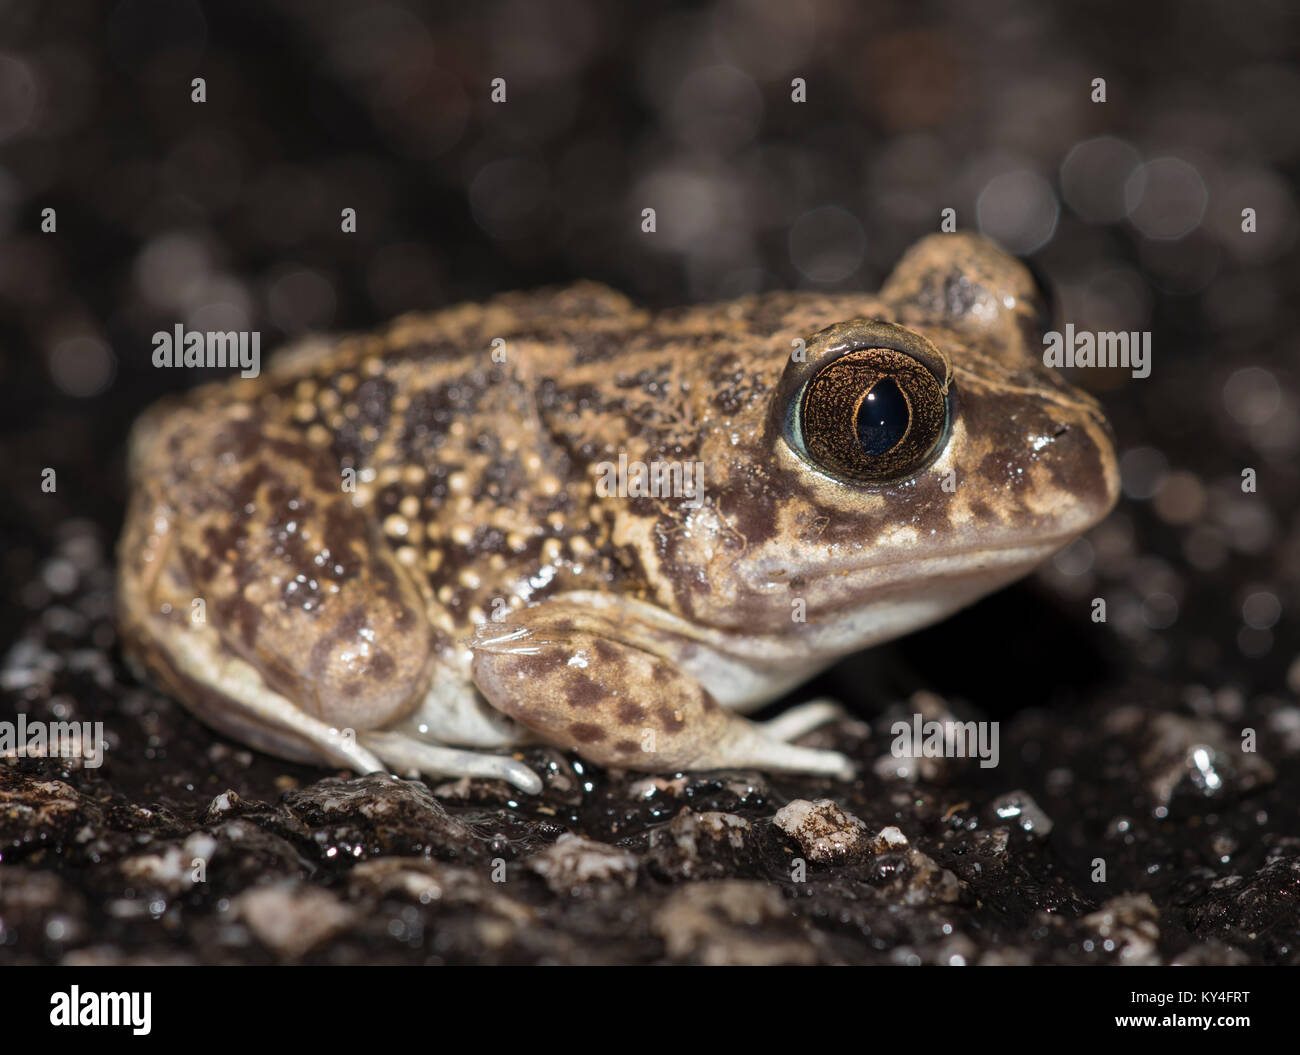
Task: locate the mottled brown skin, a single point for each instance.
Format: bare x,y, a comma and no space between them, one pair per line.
475,514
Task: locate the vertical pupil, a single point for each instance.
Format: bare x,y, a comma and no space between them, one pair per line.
882,418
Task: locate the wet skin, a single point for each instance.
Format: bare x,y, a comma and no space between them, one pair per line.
406,561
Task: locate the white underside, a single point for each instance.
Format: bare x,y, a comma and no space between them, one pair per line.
742,671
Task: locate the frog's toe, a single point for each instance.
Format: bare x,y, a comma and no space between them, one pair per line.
405,754
748,746
620,705
230,695
792,724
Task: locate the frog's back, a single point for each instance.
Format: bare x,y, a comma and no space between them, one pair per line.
473,437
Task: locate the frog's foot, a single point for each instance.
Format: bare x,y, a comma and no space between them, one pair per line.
745,745
405,754
252,620
246,709
570,674
792,724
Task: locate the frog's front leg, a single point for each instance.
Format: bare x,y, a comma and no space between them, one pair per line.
618,698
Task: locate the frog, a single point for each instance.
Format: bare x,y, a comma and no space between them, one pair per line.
405,551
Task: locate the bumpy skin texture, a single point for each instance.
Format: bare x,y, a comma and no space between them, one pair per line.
475,562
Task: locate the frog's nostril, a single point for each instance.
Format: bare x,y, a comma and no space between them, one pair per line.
1061,430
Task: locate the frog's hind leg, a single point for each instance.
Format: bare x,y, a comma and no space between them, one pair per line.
804,718
745,744
405,754
195,660
573,676
260,595
451,733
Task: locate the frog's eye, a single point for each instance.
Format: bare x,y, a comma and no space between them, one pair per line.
873,414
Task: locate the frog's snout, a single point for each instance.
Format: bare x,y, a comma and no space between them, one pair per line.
1081,449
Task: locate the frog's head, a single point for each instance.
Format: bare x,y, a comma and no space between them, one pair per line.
909,462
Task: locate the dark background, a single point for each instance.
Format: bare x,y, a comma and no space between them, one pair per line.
225,214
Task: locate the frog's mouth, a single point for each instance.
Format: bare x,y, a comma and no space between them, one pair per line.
846,606
850,608
954,563
845,584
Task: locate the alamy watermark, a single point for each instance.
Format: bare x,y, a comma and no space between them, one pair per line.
210,348
75,1008
930,739
24,739
1130,350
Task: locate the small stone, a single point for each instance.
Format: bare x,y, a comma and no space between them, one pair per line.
732,922
224,802
701,845
1020,808
382,814
890,838
38,907
173,869
1128,925
573,864
291,919
823,829
45,812
437,884
1199,758
911,877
